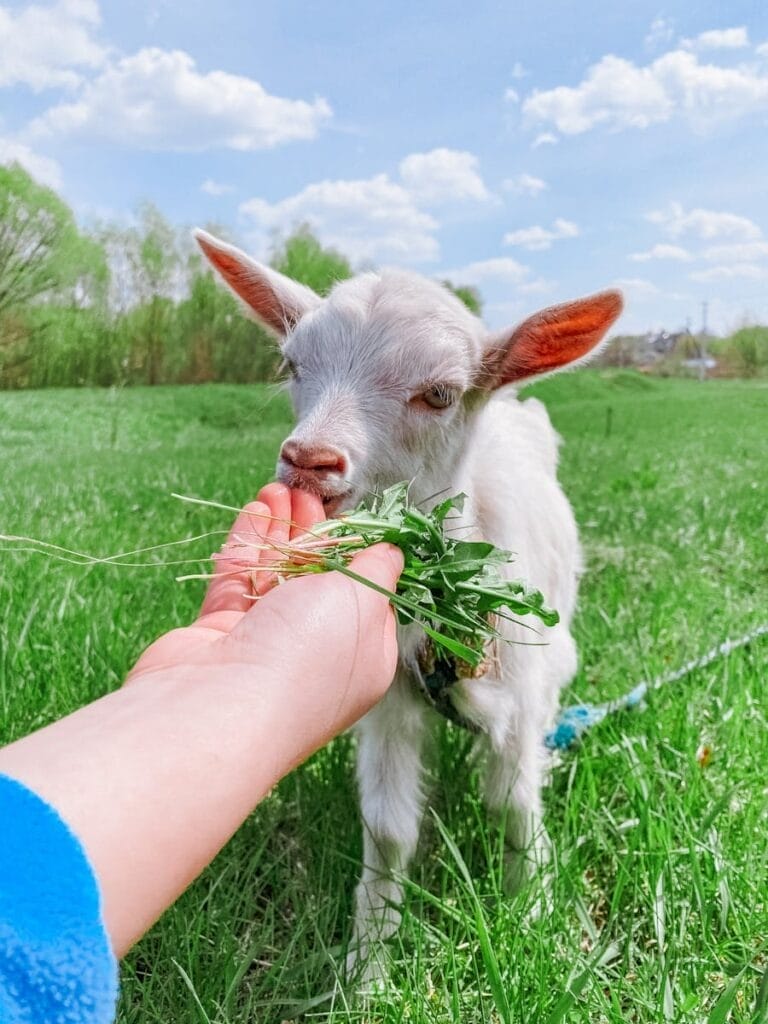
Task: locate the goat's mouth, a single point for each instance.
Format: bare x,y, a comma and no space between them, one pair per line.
334,497
333,503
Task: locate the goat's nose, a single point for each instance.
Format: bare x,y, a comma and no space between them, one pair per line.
313,457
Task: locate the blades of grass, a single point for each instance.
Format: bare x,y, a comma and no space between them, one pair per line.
569,997
716,810
455,647
299,1008
761,1001
188,982
602,955
721,1009
83,558
723,888
490,960
233,508
397,599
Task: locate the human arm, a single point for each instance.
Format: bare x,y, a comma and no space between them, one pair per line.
155,777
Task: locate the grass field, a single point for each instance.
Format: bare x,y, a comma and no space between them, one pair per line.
660,900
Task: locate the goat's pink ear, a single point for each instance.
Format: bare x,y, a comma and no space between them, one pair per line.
275,299
551,339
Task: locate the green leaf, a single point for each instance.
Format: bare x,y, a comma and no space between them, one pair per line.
450,587
721,1009
456,648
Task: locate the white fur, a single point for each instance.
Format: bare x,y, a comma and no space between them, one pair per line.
360,359
363,358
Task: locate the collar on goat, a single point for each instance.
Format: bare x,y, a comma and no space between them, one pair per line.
436,687
436,676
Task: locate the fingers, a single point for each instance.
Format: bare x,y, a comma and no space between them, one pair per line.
252,521
278,530
294,510
278,498
229,588
377,624
307,510
381,564
277,515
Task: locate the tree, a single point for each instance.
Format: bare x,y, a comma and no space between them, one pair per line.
303,258
147,275
43,256
750,348
214,341
469,296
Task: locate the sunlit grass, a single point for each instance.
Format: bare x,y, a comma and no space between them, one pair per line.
658,904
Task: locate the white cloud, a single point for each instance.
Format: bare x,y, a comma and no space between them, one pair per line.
637,288
676,221
518,70
524,185
762,49
41,46
215,188
740,252
443,175
502,269
368,219
617,94
729,272
662,252
660,33
537,237
157,99
377,219
42,168
719,39
544,139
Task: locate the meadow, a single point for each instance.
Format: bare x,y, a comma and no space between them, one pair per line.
659,908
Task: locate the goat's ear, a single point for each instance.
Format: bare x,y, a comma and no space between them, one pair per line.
275,299
551,339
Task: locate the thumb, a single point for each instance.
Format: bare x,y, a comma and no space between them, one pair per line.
381,564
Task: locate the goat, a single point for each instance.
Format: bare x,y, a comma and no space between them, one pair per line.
394,379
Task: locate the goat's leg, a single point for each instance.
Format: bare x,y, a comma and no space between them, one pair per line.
389,775
514,778
518,762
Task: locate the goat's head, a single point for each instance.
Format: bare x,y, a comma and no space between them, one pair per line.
386,370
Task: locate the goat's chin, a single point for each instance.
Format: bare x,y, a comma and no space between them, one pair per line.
334,500
336,503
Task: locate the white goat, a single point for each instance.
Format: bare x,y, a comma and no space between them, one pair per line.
394,379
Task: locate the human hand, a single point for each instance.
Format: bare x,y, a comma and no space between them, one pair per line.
324,641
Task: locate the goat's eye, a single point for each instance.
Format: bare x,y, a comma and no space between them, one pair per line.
439,396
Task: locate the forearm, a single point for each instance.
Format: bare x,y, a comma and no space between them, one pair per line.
156,777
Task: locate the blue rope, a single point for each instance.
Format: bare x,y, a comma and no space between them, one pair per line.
573,722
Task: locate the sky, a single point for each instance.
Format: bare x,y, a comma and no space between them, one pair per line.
537,151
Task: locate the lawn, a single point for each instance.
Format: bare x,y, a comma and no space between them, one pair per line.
660,900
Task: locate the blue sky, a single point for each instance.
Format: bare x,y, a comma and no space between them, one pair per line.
538,153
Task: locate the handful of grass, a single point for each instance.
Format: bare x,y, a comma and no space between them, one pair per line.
454,589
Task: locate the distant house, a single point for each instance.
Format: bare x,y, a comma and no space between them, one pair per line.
647,351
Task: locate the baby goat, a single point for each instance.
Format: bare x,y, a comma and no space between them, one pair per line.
394,379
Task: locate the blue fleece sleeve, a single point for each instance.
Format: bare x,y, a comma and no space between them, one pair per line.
56,962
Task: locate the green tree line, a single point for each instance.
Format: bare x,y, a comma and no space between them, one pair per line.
136,304
129,304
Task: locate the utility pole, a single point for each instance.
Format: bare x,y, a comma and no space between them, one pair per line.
703,342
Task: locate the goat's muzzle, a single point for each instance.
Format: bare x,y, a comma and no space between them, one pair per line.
317,469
